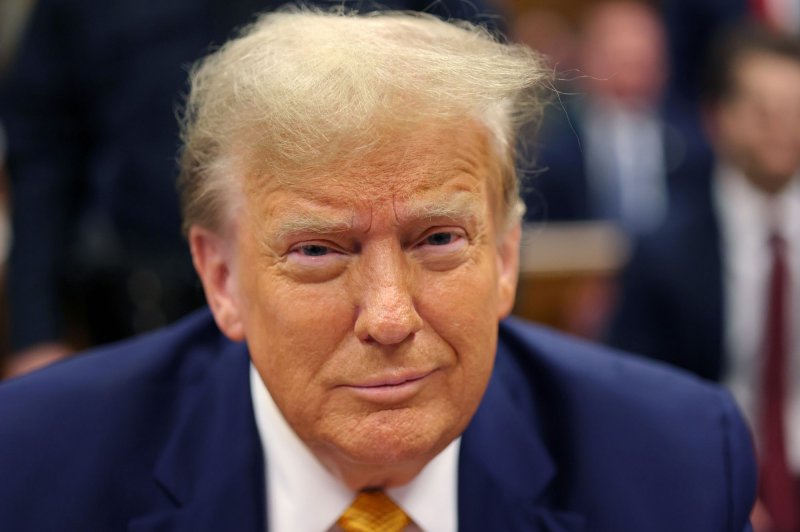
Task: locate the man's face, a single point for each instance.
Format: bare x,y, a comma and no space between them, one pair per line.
758,127
369,296
623,55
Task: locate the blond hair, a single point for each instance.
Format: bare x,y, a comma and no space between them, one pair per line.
301,89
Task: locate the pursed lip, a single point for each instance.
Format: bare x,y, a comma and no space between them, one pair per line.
394,379
392,388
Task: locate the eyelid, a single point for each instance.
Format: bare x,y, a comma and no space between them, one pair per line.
330,246
458,232
314,268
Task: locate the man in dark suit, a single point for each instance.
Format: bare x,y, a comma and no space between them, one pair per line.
697,293
352,211
613,148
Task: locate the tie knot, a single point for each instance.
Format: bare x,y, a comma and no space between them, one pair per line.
373,511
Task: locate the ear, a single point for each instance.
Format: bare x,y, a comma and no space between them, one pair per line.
214,259
508,269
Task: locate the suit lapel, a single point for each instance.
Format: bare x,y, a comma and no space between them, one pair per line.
704,291
716,295
505,470
211,469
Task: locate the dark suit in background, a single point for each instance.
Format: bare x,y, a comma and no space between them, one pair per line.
691,26
89,107
560,189
158,433
671,296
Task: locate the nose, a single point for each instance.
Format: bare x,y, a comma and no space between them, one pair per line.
387,314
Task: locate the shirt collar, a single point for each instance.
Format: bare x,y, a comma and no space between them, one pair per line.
304,496
744,208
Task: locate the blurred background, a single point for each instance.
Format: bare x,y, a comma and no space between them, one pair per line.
662,189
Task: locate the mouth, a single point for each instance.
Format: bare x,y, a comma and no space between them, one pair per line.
390,388
392,380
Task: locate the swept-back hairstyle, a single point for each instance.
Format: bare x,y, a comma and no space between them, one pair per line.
301,89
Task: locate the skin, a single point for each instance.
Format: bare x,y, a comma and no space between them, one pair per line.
369,296
36,357
622,53
757,127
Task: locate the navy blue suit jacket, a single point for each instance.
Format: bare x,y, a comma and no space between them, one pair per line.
672,297
158,433
691,27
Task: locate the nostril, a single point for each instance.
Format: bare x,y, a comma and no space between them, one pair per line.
388,326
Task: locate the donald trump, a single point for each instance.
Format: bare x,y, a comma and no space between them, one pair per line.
352,210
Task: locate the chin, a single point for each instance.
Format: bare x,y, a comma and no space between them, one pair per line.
396,438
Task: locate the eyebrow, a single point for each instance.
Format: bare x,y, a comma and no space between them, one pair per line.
459,205
312,223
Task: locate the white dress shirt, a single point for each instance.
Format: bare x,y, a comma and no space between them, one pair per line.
785,14
625,165
747,217
303,496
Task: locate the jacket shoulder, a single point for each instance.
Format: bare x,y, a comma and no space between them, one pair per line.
94,428
587,370
176,352
617,424
100,399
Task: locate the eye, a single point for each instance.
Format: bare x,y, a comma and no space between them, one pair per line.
442,240
313,250
442,248
439,239
313,262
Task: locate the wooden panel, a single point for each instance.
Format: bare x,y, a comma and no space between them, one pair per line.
568,275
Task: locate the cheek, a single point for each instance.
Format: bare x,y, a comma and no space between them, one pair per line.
461,309
291,331
463,299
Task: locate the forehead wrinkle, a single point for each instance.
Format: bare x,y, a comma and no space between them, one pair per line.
281,216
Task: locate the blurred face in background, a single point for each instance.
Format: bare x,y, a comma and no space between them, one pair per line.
623,54
757,127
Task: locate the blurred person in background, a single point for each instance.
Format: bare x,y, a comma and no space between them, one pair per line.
89,108
616,150
692,24
717,289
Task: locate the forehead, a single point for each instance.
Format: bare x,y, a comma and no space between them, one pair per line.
430,164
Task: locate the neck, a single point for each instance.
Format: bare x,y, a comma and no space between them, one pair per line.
770,185
359,476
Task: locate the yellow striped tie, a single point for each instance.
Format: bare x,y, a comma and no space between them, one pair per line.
373,511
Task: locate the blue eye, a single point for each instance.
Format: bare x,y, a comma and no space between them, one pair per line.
439,239
313,250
